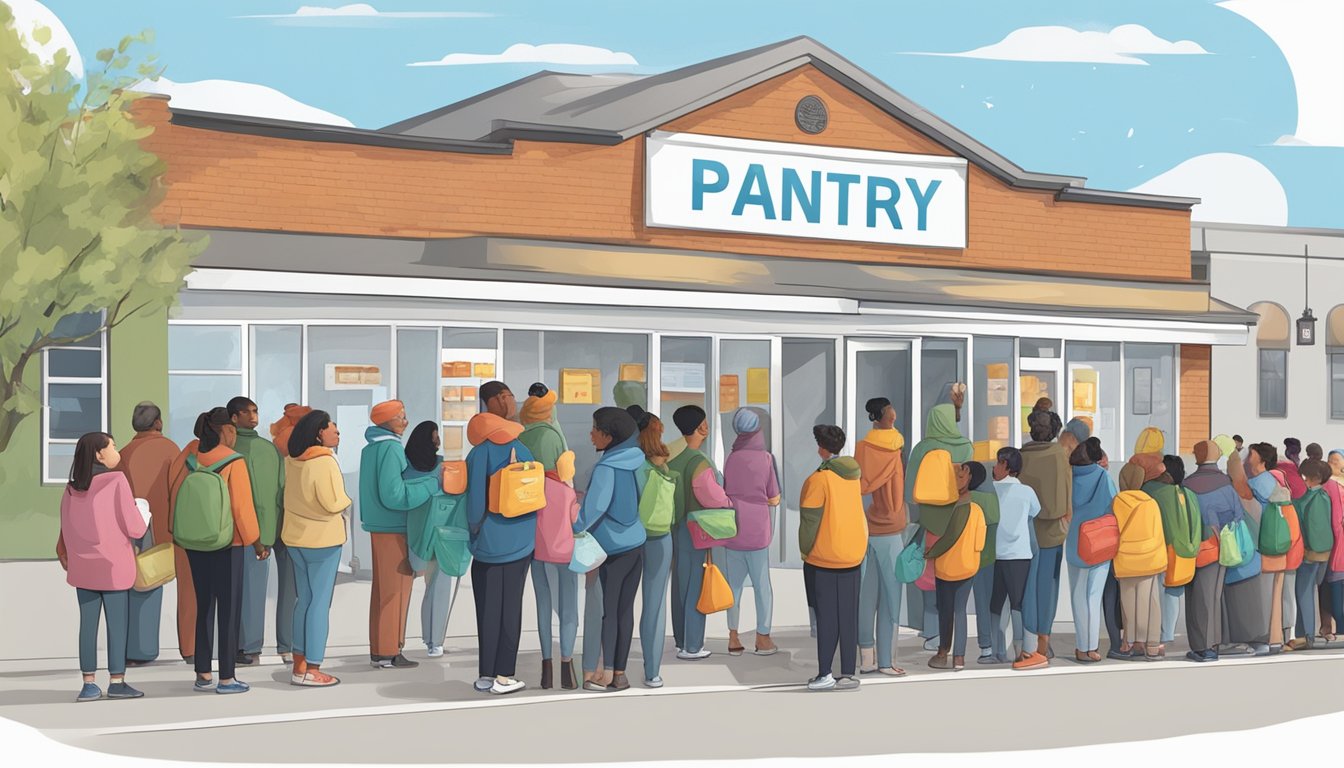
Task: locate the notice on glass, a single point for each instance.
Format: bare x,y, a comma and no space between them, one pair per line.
729,394
996,391
683,377
633,372
351,376
758,386
998,428
580,386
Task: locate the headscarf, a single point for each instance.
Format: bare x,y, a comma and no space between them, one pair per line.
537,408
941,425
1151,440
385,412
1226,445
421,452
746,420
1079,429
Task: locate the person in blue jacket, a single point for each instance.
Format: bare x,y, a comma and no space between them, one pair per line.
610,513
1093,492
501,550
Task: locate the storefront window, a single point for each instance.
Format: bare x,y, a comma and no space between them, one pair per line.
1093,394
467,360
1150,392
1042,348
74,393
684,378
808,381
744,381
204,371
991,396
418,374
277,366
942,364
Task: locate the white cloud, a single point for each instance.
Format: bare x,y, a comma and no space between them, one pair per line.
1233,189
364,10
237,98
29,14
1307,32
1122,45
1289,140
549,53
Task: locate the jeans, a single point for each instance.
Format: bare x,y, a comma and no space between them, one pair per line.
437,604
256,574
116,606
1309,575
982,589
146,608
315,572
880,597
754,565
1171,611
619,575
689,576
556,589
653,609
837,596
1086,586
498,589
951,597
1042,600
1010,586
1141,607
1290,600
592,623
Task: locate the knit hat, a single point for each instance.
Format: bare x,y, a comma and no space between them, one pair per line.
746,421
1079,429
688,418
1207,452
564,467
537,408
628,393
1225,445
284,426
386,411
1150,440
1140,469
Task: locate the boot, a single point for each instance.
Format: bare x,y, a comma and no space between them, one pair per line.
867,660
547,680
568,680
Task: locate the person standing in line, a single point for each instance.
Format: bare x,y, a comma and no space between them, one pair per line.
957,558
1264,488
265,469
1018,507
1318,539
1327,630
1249,588
186,589
832,537
698,488
283,427
99,523
988,633
385,496
657,548
1045,470
1218,507
1334,573
751,483
145,461
423,460
1180,525
1092,497
218,575
883,481
1141,558
314,532
501,549
540,434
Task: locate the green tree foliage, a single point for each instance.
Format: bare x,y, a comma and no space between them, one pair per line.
76,195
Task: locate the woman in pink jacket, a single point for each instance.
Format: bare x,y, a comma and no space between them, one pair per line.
99,520
1334,574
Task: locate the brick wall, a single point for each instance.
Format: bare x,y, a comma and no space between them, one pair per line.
1196,361
594,194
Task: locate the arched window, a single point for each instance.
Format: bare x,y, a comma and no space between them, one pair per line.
1273,337
1334,351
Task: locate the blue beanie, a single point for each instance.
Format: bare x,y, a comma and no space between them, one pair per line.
1079,429
746,421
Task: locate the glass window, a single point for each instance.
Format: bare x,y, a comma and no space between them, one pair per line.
418,374
74,395
685,373
744,381
277,370
204,371
191,394
205,347
1337,385
600,369
808,381
1042,348
522,361
1150,390
467,360
1273,383
1094,392
942,363
992,396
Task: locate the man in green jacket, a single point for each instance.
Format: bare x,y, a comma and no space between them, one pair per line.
384,499
265,467
1045,469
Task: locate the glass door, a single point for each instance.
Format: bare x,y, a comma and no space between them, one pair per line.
886,368
810,384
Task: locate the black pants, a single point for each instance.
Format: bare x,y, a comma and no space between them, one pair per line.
836,592
620,576
1010,584
1110,609
1204,607
951,597
810,587
218,581
498,589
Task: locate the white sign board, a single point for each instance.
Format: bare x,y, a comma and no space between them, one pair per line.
796,190
683,377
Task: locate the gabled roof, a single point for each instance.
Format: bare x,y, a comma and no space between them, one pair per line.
611,108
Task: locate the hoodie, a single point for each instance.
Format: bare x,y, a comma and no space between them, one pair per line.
833,531
284,427
1092,497
384,495
314,500
495,445
545,441
610,510
1045,469
879,457
1293,477
750,481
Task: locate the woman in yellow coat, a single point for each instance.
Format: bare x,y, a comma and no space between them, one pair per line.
1139,563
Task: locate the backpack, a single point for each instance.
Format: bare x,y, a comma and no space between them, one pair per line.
962,560
555,521
1099,540
518,488
1316,530
936,480
1185,545
910,562
1275,537
657,504
202,511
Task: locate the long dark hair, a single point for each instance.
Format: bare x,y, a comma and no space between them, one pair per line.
420,449
86,455
305,433
616,423
207,428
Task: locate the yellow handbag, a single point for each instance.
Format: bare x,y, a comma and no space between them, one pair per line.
154,567
715,594
519,488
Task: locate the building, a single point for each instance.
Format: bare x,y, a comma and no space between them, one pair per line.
774,228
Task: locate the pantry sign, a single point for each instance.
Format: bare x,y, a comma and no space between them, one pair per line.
715,183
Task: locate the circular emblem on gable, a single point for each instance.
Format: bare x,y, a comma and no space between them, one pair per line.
810,115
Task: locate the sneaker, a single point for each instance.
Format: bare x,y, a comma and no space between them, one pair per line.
985,653
123,691
507,686
90,692
1210,655
394,662
237,686
1031,661
847,683
1195,656
653,682
821,683
703,653
244,659
434,651
931,644
1119,655
204,686
315,678
483,684
1261,649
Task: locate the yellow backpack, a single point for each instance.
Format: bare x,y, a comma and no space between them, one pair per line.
962,561
936,480
519,488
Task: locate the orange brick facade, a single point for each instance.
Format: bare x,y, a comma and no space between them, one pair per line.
1196,363
586,193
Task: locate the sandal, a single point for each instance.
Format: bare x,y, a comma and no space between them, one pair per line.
1094,655
892,671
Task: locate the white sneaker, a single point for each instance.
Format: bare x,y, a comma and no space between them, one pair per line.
654,682
484,684
502,687
434,651
821,683
931,644
703,653
986,653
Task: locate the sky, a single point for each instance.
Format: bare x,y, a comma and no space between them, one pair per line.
1235,101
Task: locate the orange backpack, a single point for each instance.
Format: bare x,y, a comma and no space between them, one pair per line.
962,561
936,480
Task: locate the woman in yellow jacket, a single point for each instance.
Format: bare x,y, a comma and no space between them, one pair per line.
314,531
1138,565
956,557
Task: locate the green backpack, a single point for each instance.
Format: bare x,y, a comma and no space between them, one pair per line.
1187,525
1316,532
1275,537
202,513
658,502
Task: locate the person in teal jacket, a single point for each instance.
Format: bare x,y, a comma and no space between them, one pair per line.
422,454
940,433
385,497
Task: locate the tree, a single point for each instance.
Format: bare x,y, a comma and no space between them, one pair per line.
76,196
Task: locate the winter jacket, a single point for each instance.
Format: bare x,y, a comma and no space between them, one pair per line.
417,519
1143,547
1045,468
610,508
1335,490
750,481
315,497
879,458
146,462
833,531
97,527
988,501
940,433
265,468
694,469
384,495
1092,497
495,538
545,441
